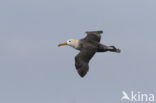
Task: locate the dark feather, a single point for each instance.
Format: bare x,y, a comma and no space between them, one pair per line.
88,47
94,35
83,58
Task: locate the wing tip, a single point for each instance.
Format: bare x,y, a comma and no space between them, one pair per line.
82,73
98,31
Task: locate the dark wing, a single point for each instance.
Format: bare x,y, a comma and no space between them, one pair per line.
94,35
82,60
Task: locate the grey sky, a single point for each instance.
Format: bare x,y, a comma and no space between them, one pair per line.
34,70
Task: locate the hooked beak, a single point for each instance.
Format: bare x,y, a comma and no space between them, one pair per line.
65,43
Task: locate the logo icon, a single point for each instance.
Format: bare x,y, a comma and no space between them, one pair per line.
125,96
137,97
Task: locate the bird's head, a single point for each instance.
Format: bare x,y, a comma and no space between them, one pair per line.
71,42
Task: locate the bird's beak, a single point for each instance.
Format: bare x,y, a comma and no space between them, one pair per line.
65,43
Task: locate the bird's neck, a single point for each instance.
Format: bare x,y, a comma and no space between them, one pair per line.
76,44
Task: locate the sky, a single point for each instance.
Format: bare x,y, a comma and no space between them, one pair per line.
34,70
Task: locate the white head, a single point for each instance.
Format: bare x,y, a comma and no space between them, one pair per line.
71,42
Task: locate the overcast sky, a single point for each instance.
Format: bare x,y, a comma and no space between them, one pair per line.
34,70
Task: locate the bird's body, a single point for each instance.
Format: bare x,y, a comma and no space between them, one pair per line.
88,46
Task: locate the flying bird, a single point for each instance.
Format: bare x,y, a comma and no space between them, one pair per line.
88,46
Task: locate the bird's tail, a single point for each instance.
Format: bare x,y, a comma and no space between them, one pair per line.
115,49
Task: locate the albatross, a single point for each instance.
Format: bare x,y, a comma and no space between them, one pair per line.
88,46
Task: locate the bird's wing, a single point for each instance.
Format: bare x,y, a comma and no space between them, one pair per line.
82,60
94,35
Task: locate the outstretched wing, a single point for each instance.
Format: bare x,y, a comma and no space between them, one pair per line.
94,35
82,60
